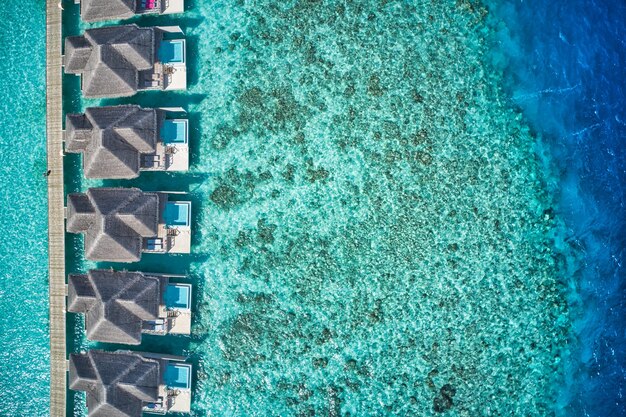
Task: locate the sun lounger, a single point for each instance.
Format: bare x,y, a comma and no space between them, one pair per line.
151,161
151,83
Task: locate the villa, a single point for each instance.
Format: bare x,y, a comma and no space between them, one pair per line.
98,10
119,61
118,142
127,384
119,306
119,224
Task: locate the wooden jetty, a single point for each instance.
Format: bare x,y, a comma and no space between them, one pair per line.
56,226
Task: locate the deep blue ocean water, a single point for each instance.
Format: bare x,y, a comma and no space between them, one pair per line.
564,65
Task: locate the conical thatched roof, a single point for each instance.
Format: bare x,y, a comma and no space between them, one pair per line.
110,58
114,221
115,303
98,10
113,139
118,384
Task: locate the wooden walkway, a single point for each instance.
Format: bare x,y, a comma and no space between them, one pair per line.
56,226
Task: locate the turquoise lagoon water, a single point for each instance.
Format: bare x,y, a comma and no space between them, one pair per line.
24,355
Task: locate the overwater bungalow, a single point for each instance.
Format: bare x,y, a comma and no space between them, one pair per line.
127,384
119,61
99,10
119,142
119,224
120,306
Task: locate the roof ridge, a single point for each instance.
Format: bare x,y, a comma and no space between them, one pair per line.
128,201
134,281
143,374
123,289
144,288
139,294
125,117
101,319
111,49
126,371
126,30
105,233
138,361
92,121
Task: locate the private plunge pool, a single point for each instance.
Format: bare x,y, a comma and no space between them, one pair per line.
178,296
174,132
172,51
178,375
177,214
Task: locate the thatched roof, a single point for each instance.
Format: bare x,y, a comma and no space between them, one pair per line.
97,10
114,221
110,58
115,303
77,52
118,384
113,139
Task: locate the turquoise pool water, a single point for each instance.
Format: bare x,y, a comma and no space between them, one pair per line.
172,51
178,376
174,131
24,355
177,214
178,296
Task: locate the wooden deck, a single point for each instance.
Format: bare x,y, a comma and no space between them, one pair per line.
56,226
